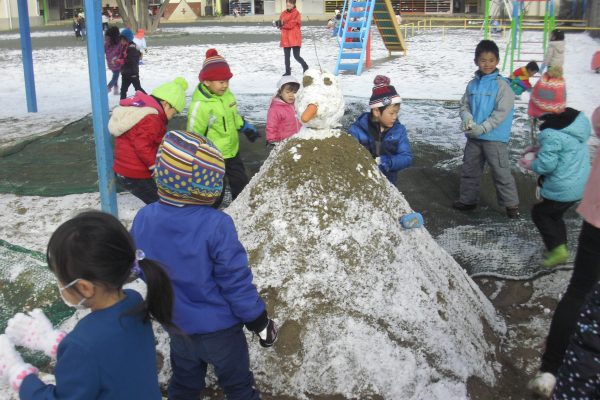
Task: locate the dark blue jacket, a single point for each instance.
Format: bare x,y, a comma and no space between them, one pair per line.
579,375
207,264
394,147
109,355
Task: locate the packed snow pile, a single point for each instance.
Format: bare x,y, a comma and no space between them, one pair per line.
366,308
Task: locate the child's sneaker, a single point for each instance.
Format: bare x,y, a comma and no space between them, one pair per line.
558,255
542,384
513,212
457,205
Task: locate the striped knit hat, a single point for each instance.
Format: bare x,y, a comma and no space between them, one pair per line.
384,94
189,170
549,95
215,68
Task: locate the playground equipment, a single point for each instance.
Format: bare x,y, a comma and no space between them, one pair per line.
354,33
514,49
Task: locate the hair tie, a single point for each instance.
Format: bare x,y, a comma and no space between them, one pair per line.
139,255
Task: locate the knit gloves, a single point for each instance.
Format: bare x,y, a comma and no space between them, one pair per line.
265,328
384,163
470,128
529,154
12,367
35,332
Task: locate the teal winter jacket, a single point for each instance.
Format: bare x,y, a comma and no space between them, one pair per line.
563,158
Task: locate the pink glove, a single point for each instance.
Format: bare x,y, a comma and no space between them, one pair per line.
35,332
12,367
531,149
523,163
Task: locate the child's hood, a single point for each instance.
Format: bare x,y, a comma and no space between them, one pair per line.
278,102
131,111
570,122
558,45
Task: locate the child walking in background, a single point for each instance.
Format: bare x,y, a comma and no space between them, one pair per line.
213,113
555,51
111,353
129,59
519,79
579,372
139,125
140,42
291,36
380,132
200,250
282,121
486,111
562,162
112,50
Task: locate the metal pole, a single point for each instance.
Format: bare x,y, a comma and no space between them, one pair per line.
96,67
514,34
486,20
46,11
24,30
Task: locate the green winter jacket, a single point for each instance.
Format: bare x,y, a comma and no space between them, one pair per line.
217,118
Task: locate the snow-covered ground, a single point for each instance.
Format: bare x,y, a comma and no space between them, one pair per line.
436,67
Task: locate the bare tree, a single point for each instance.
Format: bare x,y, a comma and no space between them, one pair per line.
142,19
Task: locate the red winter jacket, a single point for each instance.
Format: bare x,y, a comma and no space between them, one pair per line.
290,28
139,124
282,121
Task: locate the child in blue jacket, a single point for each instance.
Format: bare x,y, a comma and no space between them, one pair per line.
199,248
380,132
111,352
486,112
562,161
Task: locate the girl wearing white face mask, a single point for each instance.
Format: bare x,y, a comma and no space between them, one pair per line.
110,354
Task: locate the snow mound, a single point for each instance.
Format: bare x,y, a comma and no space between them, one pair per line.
365,308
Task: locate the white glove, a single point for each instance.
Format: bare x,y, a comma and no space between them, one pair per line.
377,160
467,124
35,332
12,367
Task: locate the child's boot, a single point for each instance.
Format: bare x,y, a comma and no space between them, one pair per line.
542,384
558,255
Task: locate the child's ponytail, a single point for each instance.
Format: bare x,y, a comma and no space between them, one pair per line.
159,297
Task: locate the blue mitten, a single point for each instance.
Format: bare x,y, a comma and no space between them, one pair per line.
384,163
250,131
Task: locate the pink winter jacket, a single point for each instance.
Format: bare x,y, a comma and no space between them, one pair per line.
589,208
282,121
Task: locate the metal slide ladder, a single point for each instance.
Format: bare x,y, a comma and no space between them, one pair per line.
353,34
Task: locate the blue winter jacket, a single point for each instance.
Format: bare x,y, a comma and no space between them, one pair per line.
208,266
109,355
490,101
564,160
394,148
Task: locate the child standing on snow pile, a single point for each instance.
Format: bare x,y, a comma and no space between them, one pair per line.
129,59
486,111
111,353
577,371
139,125
519,79
555,52
282,120
562,161
199,247
380,132
112,50
213,113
